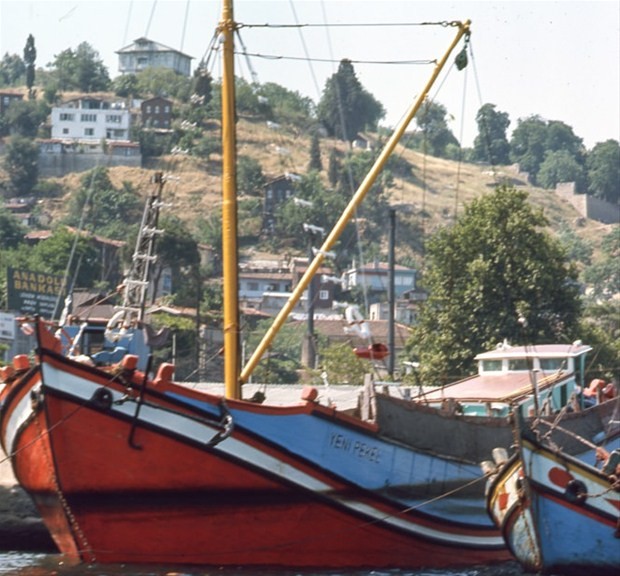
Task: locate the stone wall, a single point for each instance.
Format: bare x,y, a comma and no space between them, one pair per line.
57,165
589,206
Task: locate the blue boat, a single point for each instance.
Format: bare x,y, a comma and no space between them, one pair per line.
560,513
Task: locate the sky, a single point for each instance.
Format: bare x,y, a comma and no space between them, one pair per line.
559,60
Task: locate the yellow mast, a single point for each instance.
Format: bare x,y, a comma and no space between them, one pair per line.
227,28
463,29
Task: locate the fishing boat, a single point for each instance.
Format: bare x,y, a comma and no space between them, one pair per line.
126,466
558,511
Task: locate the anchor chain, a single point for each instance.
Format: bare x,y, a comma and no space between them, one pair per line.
83,542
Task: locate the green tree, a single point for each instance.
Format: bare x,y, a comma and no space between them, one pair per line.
100,207
282,361
12,69
202,84
346,108
30,57
577,249
247,99
560,166
250,177
24,118
178,250
165,83
603,277
285,105
53,257
491,144
12,231
434,127
315,154
527,145
342,366
601,330
126,85
81,69
603,165
497,274
333,169
21,165
534,139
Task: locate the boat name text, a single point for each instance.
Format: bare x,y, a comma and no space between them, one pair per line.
355,447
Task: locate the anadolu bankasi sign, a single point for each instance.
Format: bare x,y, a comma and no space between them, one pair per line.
34,293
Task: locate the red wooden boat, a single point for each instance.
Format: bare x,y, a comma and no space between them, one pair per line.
129,468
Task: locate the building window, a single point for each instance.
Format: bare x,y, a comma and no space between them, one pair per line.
88,118
65,130
167,109
253,286
156,109
323,294
113,118
89,131
148,109
66,117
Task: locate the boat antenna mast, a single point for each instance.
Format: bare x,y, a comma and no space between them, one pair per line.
227,28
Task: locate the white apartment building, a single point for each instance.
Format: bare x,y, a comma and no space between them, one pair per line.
90,119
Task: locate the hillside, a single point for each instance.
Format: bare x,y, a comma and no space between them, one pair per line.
428,197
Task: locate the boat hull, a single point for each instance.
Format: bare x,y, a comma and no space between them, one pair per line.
158,474
557,513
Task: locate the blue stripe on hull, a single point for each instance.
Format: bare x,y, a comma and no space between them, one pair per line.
567,536
411,478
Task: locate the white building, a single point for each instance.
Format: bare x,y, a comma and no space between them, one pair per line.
90,119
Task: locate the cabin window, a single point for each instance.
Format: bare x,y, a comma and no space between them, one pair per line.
519,364
491,365
552,364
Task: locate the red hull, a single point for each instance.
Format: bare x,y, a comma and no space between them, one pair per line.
212,512
114,489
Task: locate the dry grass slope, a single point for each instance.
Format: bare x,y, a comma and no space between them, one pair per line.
438,189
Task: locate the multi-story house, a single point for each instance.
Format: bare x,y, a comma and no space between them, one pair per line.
276,192
374,278
259,278
89,118
156,113
144,53
323,285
